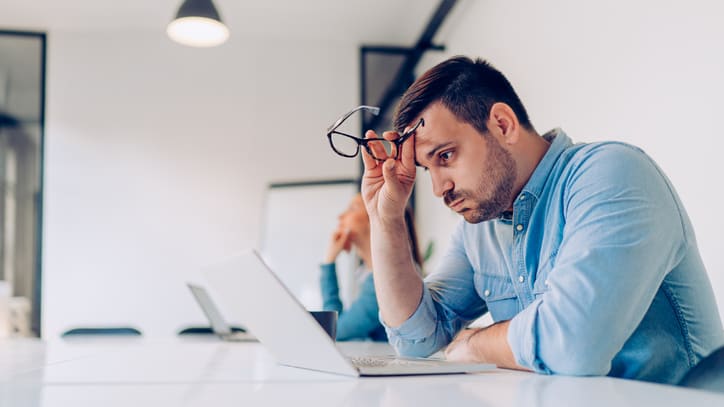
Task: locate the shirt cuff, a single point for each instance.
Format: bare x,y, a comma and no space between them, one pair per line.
328,269
420,325
523,338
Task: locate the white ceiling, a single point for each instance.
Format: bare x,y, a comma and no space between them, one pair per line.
378,21
371,22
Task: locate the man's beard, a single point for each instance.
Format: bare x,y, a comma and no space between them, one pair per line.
501,170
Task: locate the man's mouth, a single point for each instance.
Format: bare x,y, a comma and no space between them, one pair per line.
457,205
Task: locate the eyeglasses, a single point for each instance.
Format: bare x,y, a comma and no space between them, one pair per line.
348,146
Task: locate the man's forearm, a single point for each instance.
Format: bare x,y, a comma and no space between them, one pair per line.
490,345
397,283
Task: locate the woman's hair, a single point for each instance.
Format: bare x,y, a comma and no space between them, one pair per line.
412,236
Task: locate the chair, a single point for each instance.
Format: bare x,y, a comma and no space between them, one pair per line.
203,330
105,331
708,374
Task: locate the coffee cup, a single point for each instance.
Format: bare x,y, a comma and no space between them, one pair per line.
328,321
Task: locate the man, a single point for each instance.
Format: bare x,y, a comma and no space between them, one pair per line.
582,253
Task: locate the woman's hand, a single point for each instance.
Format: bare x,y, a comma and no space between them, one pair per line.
340,241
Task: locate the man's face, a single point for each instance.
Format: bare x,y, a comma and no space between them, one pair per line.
472,172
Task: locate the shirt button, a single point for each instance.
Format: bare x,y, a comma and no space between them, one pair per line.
546,282
486,293
521,279
522,197
519,227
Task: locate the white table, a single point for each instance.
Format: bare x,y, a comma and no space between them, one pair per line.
208,372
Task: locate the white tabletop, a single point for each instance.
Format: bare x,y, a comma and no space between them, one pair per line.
209,372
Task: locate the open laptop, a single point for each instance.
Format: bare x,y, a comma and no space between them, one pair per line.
249,291
217,322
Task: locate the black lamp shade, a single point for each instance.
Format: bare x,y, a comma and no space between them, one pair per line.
198,8
198,24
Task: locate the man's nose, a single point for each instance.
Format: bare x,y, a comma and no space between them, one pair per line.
440,185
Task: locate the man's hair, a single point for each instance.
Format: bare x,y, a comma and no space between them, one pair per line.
465,87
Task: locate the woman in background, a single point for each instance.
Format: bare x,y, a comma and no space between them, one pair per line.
361,319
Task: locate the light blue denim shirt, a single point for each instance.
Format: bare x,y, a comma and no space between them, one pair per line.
598,272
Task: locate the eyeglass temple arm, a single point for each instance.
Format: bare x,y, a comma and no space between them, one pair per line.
372,109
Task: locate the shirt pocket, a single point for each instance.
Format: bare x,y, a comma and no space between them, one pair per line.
499,296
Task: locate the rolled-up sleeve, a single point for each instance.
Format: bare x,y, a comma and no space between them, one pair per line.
624,232
416,336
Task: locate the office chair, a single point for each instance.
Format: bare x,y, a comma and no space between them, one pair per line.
708,374
201,330
105,331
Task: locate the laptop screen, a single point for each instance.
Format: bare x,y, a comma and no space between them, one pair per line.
218,324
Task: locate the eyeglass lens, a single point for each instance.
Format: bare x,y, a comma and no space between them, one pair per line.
348,146
344,145
382,149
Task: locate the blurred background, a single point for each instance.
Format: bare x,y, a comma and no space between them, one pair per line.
151,159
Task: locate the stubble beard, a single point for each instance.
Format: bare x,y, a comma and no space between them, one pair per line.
501,170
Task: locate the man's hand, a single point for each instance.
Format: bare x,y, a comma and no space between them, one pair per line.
460,349
483,345
387,186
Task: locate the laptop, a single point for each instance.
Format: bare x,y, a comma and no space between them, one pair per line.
249,291
217,322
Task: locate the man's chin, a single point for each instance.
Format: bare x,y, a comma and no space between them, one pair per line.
472,216
476,216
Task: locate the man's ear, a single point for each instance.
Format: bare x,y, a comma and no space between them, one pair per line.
505,121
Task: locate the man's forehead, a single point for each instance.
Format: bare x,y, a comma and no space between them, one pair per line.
425,145
423,140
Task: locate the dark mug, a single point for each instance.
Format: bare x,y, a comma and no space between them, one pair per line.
328,321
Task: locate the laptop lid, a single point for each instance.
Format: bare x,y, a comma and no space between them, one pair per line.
251,293
218,324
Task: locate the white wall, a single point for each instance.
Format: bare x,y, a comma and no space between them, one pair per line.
158,157
646,72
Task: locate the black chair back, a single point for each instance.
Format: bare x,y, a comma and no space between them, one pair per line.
104,331
204,330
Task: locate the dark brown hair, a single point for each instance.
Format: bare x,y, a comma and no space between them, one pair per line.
465,87
412,235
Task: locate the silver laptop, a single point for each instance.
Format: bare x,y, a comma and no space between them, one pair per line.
249,291
217,322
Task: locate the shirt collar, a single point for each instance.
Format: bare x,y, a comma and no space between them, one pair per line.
559,143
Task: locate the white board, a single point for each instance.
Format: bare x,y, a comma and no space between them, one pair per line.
298,221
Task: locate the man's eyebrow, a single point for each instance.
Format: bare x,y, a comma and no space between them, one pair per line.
432,152
437,148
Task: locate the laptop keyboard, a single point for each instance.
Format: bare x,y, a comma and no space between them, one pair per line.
370,361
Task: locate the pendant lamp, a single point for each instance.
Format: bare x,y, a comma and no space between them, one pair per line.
198,24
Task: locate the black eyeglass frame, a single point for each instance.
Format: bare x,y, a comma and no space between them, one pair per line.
365,141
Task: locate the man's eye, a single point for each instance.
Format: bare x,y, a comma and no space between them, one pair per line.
447,155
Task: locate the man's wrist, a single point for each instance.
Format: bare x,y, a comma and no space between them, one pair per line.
477,349
387,222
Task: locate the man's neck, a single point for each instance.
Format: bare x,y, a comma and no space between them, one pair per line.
530,152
